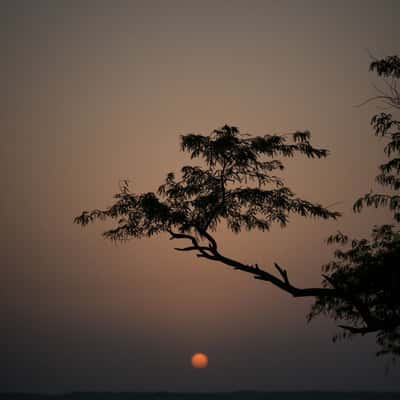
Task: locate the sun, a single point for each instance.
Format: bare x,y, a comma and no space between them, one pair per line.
199,360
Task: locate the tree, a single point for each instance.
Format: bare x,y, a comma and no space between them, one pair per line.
237,185
368,273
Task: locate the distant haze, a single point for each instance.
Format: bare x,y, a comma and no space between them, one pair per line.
99,91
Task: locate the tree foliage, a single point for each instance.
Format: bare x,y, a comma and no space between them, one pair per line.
237,185
368,272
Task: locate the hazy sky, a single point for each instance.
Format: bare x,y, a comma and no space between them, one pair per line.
100,91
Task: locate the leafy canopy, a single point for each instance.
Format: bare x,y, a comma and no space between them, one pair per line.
367,275
236,184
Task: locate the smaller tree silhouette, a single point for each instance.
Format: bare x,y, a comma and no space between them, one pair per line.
368,273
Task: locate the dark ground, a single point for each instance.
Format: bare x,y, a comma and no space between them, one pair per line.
206,396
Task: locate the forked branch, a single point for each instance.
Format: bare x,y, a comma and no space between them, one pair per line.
211,253
282,282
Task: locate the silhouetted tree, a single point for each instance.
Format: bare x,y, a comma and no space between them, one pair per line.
237,185
368,273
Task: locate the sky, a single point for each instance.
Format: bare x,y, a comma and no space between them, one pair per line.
99,91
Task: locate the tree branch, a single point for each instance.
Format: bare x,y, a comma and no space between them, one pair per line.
211,252
213,242
263,275
191,248
196,247
283,273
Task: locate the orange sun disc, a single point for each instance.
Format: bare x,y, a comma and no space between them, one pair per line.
199,360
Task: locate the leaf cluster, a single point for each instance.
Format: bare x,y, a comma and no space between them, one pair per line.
367,273
387,127
387,67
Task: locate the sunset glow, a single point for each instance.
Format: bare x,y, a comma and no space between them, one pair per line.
96,93
199,360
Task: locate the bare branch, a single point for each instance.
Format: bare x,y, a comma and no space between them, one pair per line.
282,272
191,248
203,250
213,242
265,276
372,99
